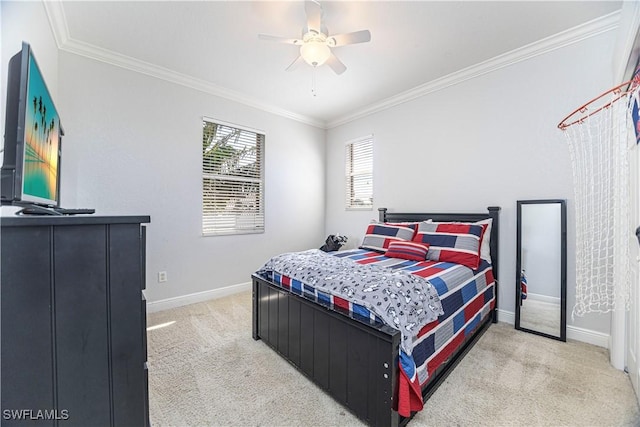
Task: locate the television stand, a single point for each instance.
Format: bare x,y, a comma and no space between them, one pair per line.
73,340
42,210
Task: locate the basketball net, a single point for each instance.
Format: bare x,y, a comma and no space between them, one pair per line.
599,149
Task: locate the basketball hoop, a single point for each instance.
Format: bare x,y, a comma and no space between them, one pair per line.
592,107
599,151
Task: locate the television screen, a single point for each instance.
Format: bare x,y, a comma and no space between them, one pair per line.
42,140
31,163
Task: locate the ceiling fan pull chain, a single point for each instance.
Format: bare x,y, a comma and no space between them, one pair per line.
313,81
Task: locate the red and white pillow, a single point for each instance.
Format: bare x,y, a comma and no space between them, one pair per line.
408,250
452,242
485,245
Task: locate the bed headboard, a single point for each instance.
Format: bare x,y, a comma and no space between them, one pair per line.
493,212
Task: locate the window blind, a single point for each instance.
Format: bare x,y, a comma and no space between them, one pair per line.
232,179
359,173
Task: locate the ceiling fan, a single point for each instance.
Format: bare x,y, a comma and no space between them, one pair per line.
316,43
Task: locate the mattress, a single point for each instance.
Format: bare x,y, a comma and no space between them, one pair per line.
466,296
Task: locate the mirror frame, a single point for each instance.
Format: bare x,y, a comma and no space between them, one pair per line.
563,266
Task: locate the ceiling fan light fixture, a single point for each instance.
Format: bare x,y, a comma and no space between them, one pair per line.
315,44
315,53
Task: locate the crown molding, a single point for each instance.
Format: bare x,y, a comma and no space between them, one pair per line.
94,52
57,20
565,38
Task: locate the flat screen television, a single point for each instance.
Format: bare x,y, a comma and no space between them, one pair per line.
30,173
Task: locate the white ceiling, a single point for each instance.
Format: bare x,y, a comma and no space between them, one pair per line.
412,43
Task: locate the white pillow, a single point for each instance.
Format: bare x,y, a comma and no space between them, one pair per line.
485,246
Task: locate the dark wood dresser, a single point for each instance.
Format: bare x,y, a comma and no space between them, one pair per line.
73,321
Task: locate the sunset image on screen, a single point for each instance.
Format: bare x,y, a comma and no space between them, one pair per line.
42,129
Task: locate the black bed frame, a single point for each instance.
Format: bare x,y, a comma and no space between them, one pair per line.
356,363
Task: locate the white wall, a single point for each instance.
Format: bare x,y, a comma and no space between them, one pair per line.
27,21
133,146
487,141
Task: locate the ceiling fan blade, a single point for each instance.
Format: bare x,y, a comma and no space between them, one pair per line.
279,39
349,38
314,15
336,65
299,60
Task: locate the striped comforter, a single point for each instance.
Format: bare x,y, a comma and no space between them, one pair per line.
467,296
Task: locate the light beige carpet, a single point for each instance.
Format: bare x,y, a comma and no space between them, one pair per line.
206,370
540,316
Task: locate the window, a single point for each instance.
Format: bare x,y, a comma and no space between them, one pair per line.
232,179
359,173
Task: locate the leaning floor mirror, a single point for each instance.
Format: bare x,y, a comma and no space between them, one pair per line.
541,268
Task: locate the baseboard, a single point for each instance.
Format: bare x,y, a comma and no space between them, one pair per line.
506,317
543,298
166,304
586,335
573,332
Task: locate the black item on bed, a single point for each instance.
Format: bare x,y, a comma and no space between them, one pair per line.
333,243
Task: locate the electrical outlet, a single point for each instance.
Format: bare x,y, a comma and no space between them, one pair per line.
162,276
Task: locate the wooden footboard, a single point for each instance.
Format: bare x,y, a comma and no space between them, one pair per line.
355,363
